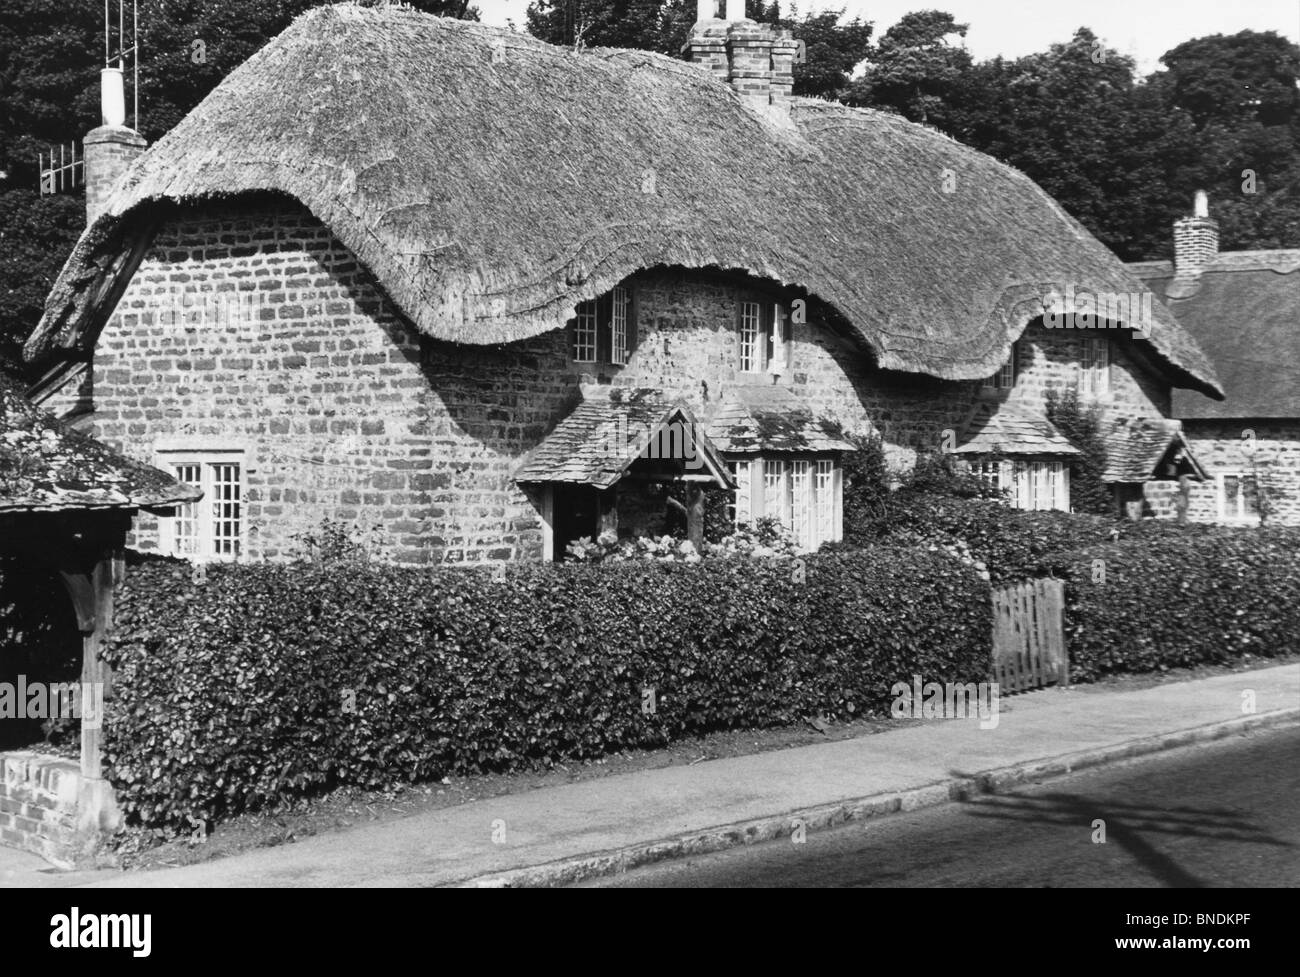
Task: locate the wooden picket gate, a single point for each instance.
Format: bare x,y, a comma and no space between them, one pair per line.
1029,636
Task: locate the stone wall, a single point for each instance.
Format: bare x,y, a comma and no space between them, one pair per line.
254,330
1222,446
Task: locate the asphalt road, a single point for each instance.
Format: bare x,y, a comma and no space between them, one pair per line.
1220,814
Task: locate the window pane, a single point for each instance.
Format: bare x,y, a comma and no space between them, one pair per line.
774,503
739,509
751,335
225,510
185,524
1249,497
824,489
801,503
780,330
618,327
584,333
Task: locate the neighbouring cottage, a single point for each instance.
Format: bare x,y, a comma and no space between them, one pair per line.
1243,307
486,295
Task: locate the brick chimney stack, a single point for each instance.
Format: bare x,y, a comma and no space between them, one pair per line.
1196,240
111,148
756,60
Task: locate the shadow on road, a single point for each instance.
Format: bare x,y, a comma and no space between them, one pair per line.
1128,825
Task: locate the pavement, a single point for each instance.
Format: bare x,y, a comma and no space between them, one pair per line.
558,835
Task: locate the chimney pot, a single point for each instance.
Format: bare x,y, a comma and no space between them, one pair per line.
735,10
112,97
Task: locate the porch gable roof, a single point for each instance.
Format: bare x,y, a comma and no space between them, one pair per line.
602,437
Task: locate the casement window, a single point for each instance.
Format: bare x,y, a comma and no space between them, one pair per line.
763,337
996,474
739,510
212,528
584,334
618,348
1238,497
603,329
1094,367
1040,485
802,494
1005,378
1029,484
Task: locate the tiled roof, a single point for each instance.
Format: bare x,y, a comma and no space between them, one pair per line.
46,467
1244,311
1133,452
1002,429
601,438
770,418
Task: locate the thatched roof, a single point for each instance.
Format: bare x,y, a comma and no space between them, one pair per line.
46,467
999,428
1244,310
771,418
491,182
604,436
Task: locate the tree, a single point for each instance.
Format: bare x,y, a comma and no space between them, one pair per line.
649,25
914,69
1241,94
1247,77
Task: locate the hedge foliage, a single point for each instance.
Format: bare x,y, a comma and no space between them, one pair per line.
1190,599
267,683
1014,544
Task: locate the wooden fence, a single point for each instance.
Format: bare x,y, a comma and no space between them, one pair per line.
1029,636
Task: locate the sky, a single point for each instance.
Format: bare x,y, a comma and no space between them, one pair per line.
1144,29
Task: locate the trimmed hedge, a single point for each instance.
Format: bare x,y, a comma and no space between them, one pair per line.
1014,544
1210,597
269,683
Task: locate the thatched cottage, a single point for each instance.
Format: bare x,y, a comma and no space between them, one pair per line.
486,295
1243,307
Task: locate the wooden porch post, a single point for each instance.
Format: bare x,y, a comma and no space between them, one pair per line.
92,597
695,515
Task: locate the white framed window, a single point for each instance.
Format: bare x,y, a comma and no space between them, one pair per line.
824,500
618,326
584,334
802,514
774,491
1094,367
764,337
1005,378
213,527
997,474
1039,485
604,329
739,509
802,494
778,360
1238,497
752,345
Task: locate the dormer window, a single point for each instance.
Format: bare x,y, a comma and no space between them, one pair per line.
603,330
1005,378
1094,367
763,337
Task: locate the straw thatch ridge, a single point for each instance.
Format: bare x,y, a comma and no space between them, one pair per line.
491,182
